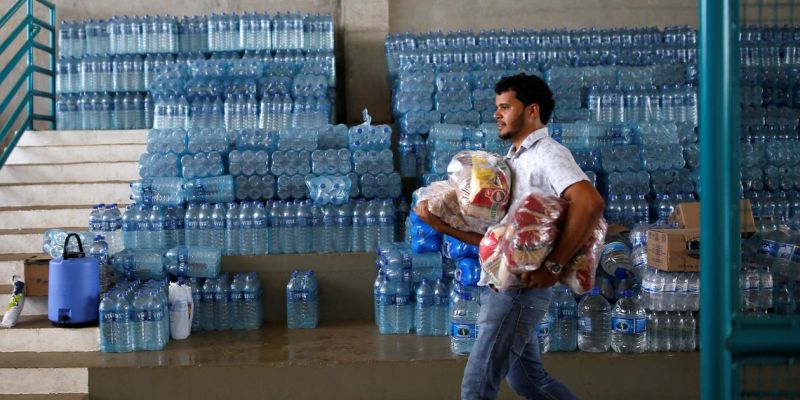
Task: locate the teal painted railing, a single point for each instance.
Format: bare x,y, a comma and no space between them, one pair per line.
742,356
29,27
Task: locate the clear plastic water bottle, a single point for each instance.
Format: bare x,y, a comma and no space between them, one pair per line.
441,316
371,218
232,229
222,303
115,323
359,222
380,280
594,322
236,304
156,220
628,325
303,239
194,261
425,309
95,222
543,331
217,237
129,227
206,308
276,231
246,231
464,320
253,313
260,229
142,323
197,293
99,251
344,228
310,306
563,314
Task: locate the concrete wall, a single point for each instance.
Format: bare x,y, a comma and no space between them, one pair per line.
363,24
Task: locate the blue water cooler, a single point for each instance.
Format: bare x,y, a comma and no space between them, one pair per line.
74,288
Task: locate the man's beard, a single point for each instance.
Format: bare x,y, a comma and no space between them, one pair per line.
512,129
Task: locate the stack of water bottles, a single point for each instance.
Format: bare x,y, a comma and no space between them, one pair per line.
223,303
105,66
134,317
302,300
768,274
671,300
628,93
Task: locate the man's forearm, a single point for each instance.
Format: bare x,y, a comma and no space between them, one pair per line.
466,237
577,229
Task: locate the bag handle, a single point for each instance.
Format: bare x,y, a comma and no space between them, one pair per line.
67,254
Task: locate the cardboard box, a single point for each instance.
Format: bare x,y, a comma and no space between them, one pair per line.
37,275
687,215
674,249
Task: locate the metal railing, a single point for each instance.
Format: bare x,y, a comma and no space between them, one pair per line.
30,26
742,356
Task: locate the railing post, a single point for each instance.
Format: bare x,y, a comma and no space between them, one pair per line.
30,63
53,67
719,185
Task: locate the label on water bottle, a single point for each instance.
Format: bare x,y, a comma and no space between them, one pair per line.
156,315
371,221
183,262
192,225
543,329
463,331
220,297
302,296
96,226
442,300
565,313
249,296
260,223
170,224
768,247
109,316
402,300
585,324
648,286
612,247
289,222
425,302
140,316
129,226
785,251
199,191
796,255
628,326
386,299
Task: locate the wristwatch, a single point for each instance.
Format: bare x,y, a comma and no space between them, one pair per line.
554,267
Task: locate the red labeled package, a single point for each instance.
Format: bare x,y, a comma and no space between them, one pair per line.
523,242
483,181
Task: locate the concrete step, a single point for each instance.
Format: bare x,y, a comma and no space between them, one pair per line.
72,173
82,138
12,264
44,217
64,194
351,360
15,241
76,154
47,383
35,333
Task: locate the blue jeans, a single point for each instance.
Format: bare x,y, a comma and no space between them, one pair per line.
507,347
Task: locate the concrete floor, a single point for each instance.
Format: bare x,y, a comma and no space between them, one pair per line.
345,361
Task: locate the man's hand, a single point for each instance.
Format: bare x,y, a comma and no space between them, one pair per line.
421,209
540,278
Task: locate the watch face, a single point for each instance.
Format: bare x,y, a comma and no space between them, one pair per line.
554,267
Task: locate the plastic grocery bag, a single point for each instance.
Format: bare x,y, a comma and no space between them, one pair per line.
523,242
443,202
181,310
483,181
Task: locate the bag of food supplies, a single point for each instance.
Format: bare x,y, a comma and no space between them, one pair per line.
524,241
483,181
